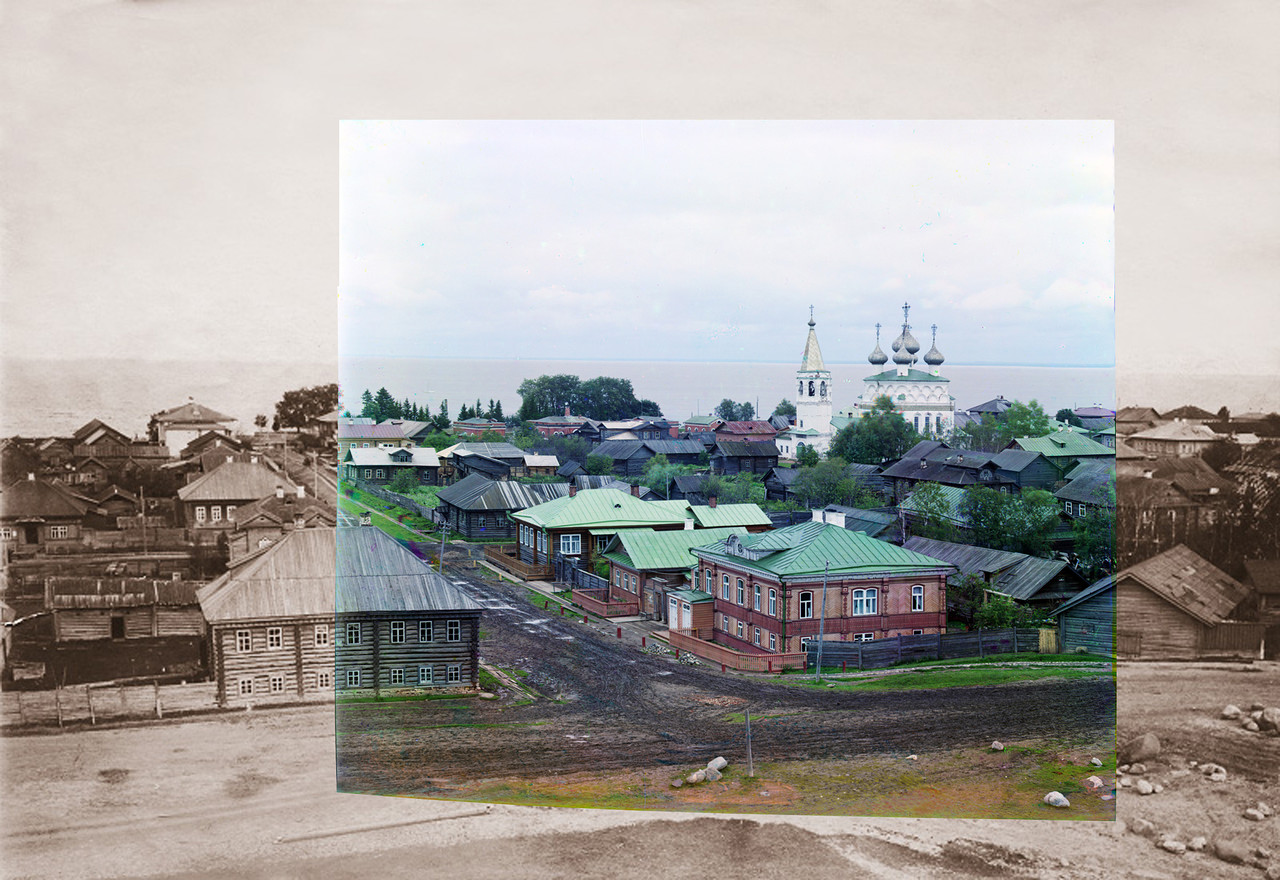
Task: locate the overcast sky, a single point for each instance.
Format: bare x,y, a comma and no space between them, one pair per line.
699,240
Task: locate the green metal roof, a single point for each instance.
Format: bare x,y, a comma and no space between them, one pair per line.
804,549
912,376
598,508
724,515
1063,444
692,596
646,550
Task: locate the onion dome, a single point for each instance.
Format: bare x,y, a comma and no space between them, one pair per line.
902,356
909,341
878,356
934,357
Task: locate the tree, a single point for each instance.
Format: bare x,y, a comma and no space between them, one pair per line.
598,464
1036,515
964,597
1025,420
1000,612
298,407
785,408
986,512
368,409
807,456
879,436
386,405
1023,523
1095,538
438,440
491,437
260,421
441,422
1068,416
547,396
465,413
524,436
606,399
404,482
569,448
648,409
983,435
824,483
659,474
932,519
1221,453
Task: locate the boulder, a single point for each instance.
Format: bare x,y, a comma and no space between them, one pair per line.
997,746
1126,783
1257,707
1272,873
1231,712
1093,783
1143,748
1142,827
676,783
712,774
1231,851
1251,726
1270,719
1144,787
696,777
913,757
1197,843
1254,814
1095,762
1264,808
1056,799
1137,769
1176,847
717,763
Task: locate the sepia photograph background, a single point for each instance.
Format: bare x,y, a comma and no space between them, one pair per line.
168,176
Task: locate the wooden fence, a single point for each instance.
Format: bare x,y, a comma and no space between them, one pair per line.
427,513
936,646
568,572
504,556
685,640
1233,640
597,602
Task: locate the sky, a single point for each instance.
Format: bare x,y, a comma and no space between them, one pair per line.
697,240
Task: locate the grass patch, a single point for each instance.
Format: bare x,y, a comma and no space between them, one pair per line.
945,678
402,698
1024,657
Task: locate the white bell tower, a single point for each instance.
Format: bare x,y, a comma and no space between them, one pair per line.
813,394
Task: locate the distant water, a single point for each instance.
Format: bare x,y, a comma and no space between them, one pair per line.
689,388
54,397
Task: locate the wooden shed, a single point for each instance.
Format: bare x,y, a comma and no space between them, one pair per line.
1178,606
1088,619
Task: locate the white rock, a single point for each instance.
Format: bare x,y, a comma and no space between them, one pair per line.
913,757
1144,787
712,774
1250,725
1231,712
1174,846
997,746
1095,762
1093,783
717,763
1255,814
1056,799
1218,776
1158,788
1264,809
1197,843
696,777
1126,783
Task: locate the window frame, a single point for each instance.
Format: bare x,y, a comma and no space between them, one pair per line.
453,673
427,628
275,683
453,631
571,540
396,633
321,635
244,686
244,641
804,605
773,602
396,676
275,638
353,627
353,678
917,593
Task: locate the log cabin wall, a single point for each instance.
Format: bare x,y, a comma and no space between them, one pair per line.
300,666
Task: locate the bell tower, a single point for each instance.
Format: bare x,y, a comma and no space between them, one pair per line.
813,394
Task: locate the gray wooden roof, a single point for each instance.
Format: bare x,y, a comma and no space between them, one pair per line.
1015,574
478,492
294,577
746,448
377,573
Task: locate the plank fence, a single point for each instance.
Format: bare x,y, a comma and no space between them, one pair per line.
597,602
880,653
427,513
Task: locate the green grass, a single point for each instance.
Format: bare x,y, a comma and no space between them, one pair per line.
946,678
1023,657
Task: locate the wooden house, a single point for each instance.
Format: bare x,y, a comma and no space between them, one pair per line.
400,625
778,482
751,431
932,461
768,588
581,523
271,619
629,457
176,427
479,508
497,461
1093,489
208,502
1029,580
1178,439
559,426
117,508
1178,606
38,515
541,465
1132,419
212,441
98,440
1064,448
1088,620
730,457
381,466
108,628
477,426
1262,577
366,436
645,566
266,520
413,430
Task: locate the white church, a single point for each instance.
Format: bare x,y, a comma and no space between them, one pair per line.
921,396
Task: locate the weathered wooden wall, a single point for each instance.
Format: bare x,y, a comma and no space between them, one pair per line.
1090,625
375,656
298,659
1151,628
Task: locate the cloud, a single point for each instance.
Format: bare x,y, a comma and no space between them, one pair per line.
1003,296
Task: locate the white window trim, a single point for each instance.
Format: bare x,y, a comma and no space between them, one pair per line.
396,676
425,628
244,686
453,673
275,638
248,637
453,631
571,545
917,592
353,629
322,635
276,684
395,633
801,603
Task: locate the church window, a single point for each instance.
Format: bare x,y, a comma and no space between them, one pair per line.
801,391
811,388
916,422
823,389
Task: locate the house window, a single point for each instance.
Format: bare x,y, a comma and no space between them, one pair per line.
397,676
424,675
455,673
364,446
397,632
353,678
215,513
864,637
742,593
864,602
773,641
617,578
602,541
424,631
58,531
1080,511
322,635
244,641
755,634
353,633
1068,508
917,598
454,631
482,523
231,508
634,586
708,582
571,545
724,588
806,604
7,533
275,638
377,474
739,629
324,679
917,632
246,686
277,684
199,514
756,597
368,472
773,603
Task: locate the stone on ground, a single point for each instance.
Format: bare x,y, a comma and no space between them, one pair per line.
1093,783
1254,814
1231,851
676,783
1143,827
1197,843
712,774
1056,799
997,746
1095,762
1270,719
1137,769
1142,748
717,763
1144,787
1231,712
696,777
1174,846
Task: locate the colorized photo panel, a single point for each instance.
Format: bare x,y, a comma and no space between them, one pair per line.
742,467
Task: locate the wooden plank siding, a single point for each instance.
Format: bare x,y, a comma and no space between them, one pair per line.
298,667
140,622
1090,625
376,656
1151,628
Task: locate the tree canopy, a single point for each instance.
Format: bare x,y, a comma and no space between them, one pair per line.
879,436
785,408
1022,522
300,406
991,433
735,412
932,519
828,482
603,398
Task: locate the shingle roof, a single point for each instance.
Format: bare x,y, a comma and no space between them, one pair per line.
377,573
286,509
90,592
647,550
491,450
1264,575
1101,586
754,426
1176,431
746,448
1064,444
1014,574
294,577
995,406
1186,580
541,461
619,450
1092,487
477,492
39,499
804,549
235,481
597,507
1190,412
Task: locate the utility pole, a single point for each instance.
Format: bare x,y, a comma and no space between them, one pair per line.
822,622
143,505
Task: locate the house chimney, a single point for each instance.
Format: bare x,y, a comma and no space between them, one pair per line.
31,477
635,490
573,489
711,502
230,458
302,491
298,521
279,491
566,410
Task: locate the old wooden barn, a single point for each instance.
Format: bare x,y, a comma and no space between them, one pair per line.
1088,619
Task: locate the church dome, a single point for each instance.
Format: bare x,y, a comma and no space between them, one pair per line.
909,342
934,357
878,357
902,356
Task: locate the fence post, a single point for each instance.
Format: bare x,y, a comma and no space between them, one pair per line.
122,712
722,669
939,651
643,641
899,647
57,699
88,693
859,656
980,654
159,711
1015,640
842,665
619,632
